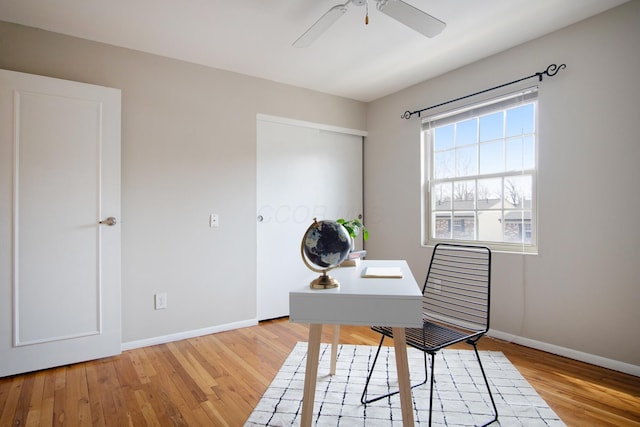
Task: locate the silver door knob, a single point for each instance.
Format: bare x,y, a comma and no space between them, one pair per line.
109,221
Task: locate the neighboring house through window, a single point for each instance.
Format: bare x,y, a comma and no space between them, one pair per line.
480,173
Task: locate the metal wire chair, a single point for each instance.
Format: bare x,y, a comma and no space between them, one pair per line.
455,308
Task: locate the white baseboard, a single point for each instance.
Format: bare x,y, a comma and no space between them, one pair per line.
187,334
616,365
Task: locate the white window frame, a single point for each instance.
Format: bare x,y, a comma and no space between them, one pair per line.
482,108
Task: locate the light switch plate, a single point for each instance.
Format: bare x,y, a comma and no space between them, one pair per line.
214,220
160,301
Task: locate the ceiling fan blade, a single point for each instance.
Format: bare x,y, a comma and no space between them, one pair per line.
412,17
321,25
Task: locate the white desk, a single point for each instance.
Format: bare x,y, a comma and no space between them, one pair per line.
359,301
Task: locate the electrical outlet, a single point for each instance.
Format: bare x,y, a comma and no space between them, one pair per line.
437,285
161,301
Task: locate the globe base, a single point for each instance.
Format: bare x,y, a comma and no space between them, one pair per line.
324,282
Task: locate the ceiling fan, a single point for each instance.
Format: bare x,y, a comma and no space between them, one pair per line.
402,12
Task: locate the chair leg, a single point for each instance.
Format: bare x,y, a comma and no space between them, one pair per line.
493,402
363,398
366,385
433,365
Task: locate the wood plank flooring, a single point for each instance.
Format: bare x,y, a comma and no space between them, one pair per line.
216,380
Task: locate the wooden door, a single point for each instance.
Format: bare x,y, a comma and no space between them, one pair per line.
59,267
304,171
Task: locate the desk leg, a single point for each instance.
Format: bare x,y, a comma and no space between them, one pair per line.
402,365
334,349
311,374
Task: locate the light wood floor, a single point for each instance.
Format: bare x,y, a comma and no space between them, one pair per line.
216,380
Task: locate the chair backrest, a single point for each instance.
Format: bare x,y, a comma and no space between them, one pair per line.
457,289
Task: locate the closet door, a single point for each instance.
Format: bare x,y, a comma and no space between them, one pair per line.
303,172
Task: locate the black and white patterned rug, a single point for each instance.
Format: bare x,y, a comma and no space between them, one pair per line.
460,397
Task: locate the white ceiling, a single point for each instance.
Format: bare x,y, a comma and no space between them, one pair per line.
254,37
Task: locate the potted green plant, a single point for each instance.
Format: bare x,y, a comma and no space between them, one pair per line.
354,227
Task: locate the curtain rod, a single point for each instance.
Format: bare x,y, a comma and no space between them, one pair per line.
551,71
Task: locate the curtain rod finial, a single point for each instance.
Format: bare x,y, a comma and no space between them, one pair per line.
552,70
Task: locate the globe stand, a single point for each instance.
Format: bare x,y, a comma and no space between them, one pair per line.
324,282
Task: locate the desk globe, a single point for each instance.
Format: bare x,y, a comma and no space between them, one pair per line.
325,245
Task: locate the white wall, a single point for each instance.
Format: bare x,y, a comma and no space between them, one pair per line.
580,295
188,150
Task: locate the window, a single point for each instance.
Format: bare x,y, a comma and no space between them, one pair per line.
479,173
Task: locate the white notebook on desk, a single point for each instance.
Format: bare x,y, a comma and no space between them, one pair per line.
388,272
